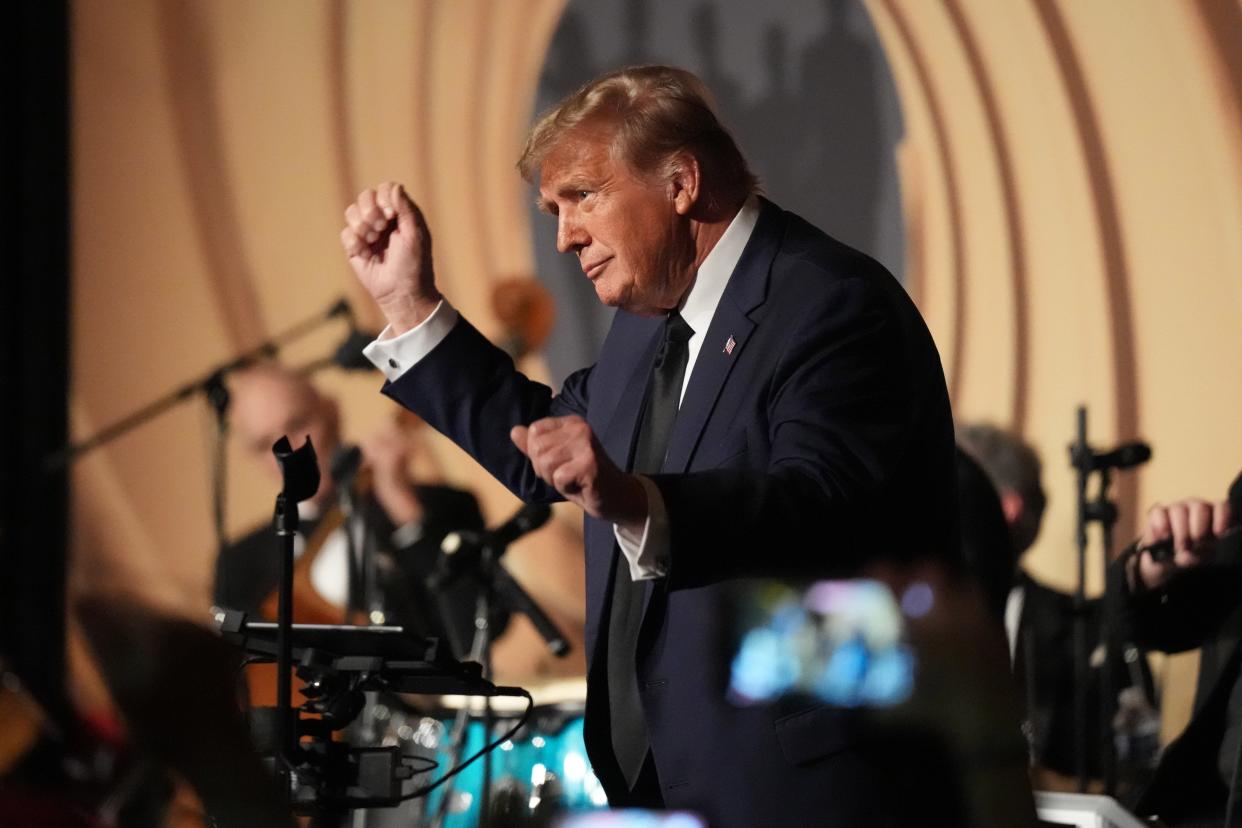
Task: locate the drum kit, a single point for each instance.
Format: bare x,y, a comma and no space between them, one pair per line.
457,747
535,778
391,728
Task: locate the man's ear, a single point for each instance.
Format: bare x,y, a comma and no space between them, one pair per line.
685,182
1013,505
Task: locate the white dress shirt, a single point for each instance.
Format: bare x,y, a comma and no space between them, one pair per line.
1013,619
329,574
646,551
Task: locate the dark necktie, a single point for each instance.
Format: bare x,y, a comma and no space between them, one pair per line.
629,730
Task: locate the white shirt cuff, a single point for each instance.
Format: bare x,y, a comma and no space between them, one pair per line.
394,355
647,553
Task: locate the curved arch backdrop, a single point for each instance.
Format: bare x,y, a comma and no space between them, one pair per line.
1069,178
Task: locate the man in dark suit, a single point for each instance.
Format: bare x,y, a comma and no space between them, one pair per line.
1192,598
768,402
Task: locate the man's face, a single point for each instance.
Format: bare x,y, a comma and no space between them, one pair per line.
267,406
630,238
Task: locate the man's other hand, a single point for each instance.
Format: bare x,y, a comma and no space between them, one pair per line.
1192,525
389,248
564,453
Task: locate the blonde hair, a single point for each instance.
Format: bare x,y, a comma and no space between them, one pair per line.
654,112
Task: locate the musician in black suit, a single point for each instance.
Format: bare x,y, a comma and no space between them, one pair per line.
1193,599
1039,620
404,521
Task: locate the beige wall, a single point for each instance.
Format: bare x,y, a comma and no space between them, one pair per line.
215,147
1072,175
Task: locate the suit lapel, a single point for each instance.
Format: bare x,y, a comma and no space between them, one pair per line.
710,371
726,337
618,435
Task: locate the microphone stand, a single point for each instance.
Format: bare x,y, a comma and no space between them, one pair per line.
494,578
497,586
1080,457
203,384
363,592
517,599
1103,511
500,586
481,652
217,394
300,474
483,640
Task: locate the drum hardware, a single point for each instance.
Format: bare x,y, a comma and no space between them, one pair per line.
540,773
477,555
338,664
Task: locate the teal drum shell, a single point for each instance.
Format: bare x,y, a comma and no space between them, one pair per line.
537,776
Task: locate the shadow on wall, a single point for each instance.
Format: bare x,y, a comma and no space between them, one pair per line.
803,84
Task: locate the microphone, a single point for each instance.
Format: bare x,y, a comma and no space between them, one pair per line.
461,552
340,308
299,470
1125,456
349,355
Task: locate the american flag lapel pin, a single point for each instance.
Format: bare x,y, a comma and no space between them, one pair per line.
730,345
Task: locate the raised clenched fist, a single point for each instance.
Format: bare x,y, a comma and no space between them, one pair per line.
389,248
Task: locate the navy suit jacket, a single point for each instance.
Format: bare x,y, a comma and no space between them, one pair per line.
821,441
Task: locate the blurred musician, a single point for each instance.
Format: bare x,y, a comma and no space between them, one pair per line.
403,520
1191,596
1039,620
408,521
